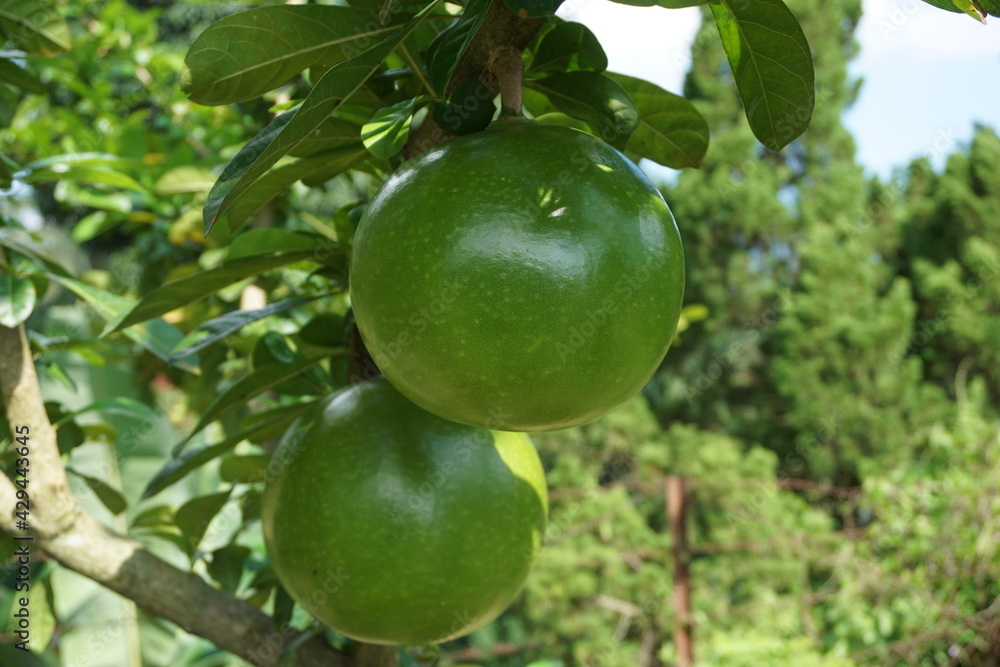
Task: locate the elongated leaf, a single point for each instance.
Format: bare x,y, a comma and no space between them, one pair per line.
34,26
7,169
281,178
121,406
184,180
332,134
594,98
85,174
451,45
246,54
177,469
227,566
157,336
268,241
337,163
973,8
259,427
17,299
337,85
671,130
238,166
20,77
386,132
772,66
250,385
109,497
91,159
36,247
470,108
211,332
194,516
244,469
185,290
566,47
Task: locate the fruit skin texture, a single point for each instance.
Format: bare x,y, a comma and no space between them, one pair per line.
393,526
525,278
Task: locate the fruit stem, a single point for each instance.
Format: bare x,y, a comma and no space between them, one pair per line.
508,68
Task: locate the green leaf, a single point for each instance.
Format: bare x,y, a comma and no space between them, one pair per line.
41,249
267,241
337,163
469,109
671,131
386,132
227,564
157,336
216,329
276,181
450,45
34,26
533,8
246,54
567,47
176,469
188,179
594,98
244,469
120,406
7,169
337,85
20,77
332,134
156,516
185,290
973,8
94,224
772,66
84,167
59,374
238,166
260,427
109,497
194,516
84,174
17,299
237,394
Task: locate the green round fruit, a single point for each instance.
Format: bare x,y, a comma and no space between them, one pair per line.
525,278
393,526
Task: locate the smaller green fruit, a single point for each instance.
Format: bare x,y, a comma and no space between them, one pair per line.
394,526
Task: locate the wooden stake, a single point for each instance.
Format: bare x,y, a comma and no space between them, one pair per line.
676,495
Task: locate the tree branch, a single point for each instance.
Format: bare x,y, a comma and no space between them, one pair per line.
501,29
63,530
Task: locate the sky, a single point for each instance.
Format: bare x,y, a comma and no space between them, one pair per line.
928,75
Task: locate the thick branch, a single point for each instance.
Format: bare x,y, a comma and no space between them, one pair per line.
501,29
63,530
